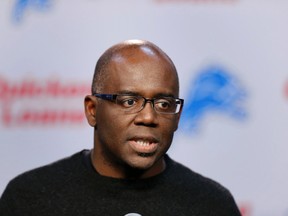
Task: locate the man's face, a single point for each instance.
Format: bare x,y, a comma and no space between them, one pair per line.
140,139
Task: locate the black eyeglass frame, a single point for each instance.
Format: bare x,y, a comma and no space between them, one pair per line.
113,97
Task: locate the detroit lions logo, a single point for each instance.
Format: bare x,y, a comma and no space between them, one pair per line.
21,6
213,90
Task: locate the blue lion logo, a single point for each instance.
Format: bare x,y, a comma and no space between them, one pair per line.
213,90
22,5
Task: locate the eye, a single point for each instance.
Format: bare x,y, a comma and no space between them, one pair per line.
164,104
127,101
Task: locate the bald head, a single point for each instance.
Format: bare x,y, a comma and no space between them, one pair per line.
126,50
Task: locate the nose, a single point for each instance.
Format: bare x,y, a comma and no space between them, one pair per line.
147,116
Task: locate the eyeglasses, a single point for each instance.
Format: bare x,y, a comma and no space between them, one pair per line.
135,103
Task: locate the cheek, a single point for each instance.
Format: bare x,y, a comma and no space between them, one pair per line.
108,124
109,137
168,128
111,125
171,124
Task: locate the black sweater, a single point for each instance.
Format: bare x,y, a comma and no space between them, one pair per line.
72,187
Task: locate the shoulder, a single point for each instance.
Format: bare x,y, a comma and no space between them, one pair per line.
186,176
63,168
41,188
203,193
195,183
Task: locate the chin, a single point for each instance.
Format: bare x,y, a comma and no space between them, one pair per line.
143,162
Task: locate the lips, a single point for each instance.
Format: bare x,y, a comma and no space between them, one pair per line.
146,145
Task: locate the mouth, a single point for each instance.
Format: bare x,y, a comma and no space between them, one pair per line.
144,146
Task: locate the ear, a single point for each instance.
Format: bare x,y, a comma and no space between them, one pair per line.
90,105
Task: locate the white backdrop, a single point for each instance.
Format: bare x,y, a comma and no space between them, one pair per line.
232,61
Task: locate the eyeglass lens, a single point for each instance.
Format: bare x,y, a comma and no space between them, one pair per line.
135,104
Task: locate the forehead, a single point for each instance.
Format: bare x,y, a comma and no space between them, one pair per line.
141,71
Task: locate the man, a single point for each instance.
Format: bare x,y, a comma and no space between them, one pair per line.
134,110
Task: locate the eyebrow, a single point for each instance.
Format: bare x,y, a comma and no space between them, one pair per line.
159,95
126,92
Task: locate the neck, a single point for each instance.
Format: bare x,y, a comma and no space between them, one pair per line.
122,171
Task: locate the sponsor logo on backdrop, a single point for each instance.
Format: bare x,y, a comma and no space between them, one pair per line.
198,1
213,90
245,209
38,102
21,7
